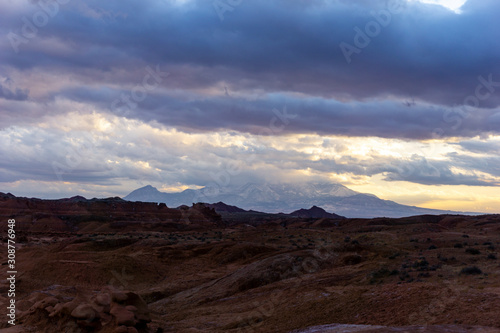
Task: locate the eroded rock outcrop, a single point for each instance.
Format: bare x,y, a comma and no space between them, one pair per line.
68,309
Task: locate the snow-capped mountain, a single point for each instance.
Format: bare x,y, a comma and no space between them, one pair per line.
274,198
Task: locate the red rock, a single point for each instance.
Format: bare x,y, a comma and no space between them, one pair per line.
103,299
119,296
84,312
131,308
121,329
123,316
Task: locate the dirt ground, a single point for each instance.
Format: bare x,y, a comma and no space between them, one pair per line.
420,274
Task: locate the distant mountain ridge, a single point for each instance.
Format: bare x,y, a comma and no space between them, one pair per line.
275,198
222,207
314,212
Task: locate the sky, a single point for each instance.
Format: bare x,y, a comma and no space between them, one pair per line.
398,98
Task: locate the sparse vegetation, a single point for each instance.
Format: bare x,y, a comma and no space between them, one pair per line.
201,273
394,256
378,275
473,270
421,264
352,259
472,251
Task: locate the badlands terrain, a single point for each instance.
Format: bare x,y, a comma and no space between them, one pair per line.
109,265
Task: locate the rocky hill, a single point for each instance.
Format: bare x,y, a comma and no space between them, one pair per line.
111,266
76,213
275,198
314,212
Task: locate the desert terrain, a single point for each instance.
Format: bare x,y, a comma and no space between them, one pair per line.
110,265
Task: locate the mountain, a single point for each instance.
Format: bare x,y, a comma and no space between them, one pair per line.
151,194
314,212
274,198
104,215
220,207
271,198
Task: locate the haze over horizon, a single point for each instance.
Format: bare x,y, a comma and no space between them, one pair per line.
397,98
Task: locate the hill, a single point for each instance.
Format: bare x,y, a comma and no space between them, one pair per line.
109,265
275,198
314,212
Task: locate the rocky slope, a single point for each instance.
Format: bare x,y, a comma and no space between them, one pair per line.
275,198
314,212
69,215
284,274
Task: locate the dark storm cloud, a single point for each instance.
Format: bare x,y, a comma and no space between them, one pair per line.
488,164
417,169
12,93
277,114
425,54
481,147
431,172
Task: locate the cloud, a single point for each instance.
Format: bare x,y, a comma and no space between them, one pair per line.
420,170
104,150
388,118
490,147
9,92
267,88
266,55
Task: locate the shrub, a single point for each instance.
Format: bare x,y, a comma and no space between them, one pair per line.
352,259
472,251
491,256
473,270
395,255
458,246
432,247
377,276
404,275
421,264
